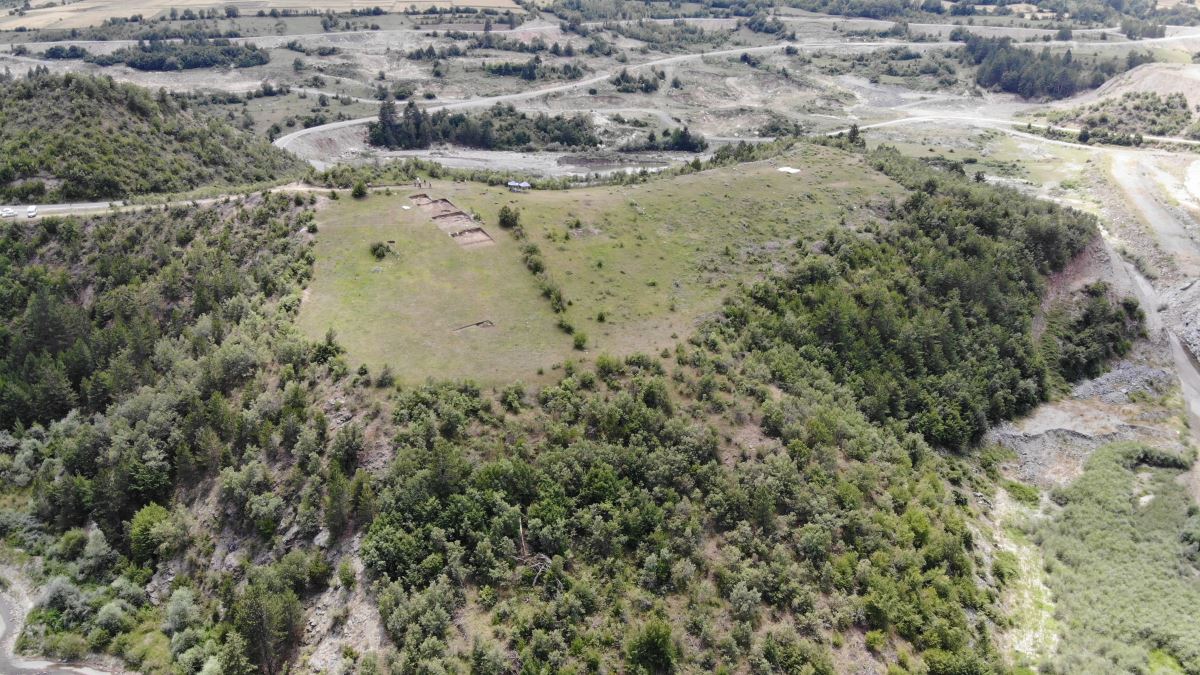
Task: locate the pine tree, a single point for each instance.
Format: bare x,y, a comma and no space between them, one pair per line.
269,621
383,132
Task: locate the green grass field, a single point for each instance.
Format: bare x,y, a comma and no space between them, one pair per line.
404,309
653,258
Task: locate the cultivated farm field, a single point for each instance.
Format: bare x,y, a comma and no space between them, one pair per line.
95,12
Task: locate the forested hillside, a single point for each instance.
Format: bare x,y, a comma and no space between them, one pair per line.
78,138
773,487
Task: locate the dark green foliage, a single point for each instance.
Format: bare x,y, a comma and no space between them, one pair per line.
628,84
60,52
1079,341
652,649
1039,74
267,614
142,431
509,217
674,140
497,128
268,617
346,447
910,318
761,23
606,488
143,540
535,69
186,55
98,139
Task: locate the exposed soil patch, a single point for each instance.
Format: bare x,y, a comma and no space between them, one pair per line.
486,323
1131,402
440,207
474,237
1160,78
453,221
1091,264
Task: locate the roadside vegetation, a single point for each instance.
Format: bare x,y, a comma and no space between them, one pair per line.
672,37
1133,114
187,315
500,127
534,69
79,138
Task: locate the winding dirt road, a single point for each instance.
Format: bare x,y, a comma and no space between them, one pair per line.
288,141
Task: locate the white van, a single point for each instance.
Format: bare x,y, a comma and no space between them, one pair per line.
31,212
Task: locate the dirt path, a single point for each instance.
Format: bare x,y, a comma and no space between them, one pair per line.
1142,186
14,603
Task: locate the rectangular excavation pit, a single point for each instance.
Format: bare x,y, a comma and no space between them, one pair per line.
486,323
439,207
475,237
452,222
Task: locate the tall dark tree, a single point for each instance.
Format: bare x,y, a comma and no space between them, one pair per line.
382,133
269,620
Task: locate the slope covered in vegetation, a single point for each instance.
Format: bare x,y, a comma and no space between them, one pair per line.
77,138
769,488
1122,556
1130,116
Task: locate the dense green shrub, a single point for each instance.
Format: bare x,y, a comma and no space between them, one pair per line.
500,127
652,649
185,55
1120,569
93,138
1039,74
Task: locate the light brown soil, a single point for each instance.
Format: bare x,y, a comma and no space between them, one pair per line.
474,237
1159,78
